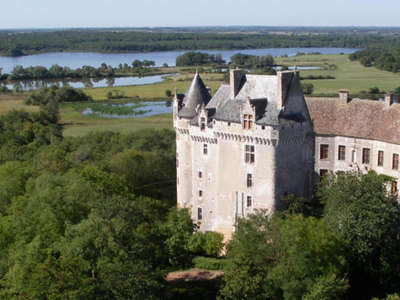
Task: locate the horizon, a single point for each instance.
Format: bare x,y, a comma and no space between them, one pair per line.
25,14
206,26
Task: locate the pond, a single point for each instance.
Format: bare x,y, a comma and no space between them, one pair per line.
26,85
76,60
129,110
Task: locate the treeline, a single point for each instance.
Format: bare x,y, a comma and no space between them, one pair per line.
198,58
56,94
252,61
384,58
17,43
59,72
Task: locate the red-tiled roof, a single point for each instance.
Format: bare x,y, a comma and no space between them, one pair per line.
360,118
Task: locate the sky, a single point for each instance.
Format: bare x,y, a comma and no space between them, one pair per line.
176,13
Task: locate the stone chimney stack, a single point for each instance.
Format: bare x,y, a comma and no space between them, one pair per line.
388,99
236,80
344,97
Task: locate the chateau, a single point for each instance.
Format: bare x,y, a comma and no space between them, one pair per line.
258,139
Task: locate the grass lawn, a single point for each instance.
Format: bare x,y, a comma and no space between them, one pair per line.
349,75
10,101
83,125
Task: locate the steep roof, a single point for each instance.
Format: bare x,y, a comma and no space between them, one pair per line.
196,95
367,119
259,86
222,95
230,111
263,91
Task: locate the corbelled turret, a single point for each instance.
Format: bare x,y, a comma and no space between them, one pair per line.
196,95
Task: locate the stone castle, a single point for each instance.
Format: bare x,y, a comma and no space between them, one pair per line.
258,139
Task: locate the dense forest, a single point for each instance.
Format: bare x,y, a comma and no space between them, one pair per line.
25,42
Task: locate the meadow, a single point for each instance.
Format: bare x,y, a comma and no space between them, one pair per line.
348,74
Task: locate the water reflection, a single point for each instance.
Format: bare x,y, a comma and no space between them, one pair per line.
144,109
26,85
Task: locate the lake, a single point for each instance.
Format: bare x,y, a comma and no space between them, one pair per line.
78,59
27,85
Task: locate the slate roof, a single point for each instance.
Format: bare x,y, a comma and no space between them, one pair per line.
222,95
261,90
367,119
259,86
196,95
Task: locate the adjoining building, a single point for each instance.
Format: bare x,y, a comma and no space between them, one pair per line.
356,134
258,139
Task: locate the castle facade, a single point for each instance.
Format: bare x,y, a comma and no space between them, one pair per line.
242,149
259,138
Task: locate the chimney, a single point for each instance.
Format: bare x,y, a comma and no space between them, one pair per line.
236,79
344,97
388,99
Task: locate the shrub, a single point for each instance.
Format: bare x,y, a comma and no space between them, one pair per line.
208,243
210,263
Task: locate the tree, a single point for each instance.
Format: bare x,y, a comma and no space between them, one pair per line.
168,93
290,257
360,208
179,229
307,88
209,243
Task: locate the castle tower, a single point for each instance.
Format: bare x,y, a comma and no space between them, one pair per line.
242,150
186,108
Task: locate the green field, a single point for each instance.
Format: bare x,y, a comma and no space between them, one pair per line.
349,75
83,125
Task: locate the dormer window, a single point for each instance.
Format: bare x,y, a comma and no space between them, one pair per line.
247,121
202,123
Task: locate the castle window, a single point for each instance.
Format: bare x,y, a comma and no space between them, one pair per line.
249,201
200,174
380,158
249,180
199,213
323,151
394,187
353,156
200,193
205,149
247,121
177,163
249,154
395,162
203,123
365,155
342,152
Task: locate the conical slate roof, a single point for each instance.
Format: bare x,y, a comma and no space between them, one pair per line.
196,95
